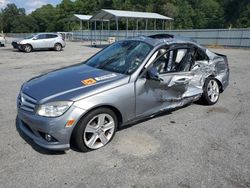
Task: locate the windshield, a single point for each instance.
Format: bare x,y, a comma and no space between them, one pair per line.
122,57
30,36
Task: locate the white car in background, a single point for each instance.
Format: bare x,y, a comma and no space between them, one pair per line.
40,41
2,40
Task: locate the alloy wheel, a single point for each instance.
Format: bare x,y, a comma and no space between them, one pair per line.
213,91
99,131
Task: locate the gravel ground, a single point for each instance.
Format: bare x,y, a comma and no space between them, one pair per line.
196,146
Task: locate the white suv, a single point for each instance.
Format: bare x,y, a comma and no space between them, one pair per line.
2,40
40,41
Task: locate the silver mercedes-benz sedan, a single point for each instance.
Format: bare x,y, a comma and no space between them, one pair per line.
127,81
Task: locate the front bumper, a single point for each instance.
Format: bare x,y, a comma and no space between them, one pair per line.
17,46
35,127
2,42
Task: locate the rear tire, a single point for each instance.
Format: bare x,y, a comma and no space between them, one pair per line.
95,130
211,91
58,47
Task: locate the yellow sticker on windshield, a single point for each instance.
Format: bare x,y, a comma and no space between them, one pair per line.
88,81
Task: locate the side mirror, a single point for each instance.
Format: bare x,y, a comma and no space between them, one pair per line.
153,74
34,38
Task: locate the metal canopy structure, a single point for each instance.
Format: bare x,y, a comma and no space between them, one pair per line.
82,18
106,14
114,15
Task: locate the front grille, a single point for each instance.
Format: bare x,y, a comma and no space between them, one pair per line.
26,102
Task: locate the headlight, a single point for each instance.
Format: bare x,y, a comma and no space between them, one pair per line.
54,109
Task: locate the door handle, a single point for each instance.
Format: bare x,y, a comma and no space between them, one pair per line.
181,81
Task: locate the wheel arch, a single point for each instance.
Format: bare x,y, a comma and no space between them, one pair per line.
114,109
28,44
22,45
58,43
218,81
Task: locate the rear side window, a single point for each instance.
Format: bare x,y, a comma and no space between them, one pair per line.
50,36
180,54
200,55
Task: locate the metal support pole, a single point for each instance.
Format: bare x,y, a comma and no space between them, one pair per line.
108,29
137,26
117,28
88,30
91,33
127,28
155,24
81,29
95,33
101,34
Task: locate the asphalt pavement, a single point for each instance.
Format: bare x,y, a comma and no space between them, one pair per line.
196,146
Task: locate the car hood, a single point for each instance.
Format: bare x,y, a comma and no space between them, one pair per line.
17,40
72,83
21,40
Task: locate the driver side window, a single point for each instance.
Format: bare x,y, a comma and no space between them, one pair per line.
41,36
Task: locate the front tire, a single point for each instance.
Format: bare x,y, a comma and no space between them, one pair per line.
211,91
95,130
27,48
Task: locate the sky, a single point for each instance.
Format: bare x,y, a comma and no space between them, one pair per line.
29,5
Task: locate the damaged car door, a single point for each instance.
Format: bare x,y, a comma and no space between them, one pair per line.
167,83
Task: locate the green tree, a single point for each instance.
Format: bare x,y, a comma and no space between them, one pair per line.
184,16
244,18
11,15
236,13
1,21
187,14
64,13
207,14
44,18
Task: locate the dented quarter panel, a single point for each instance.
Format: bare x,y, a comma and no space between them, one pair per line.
178,89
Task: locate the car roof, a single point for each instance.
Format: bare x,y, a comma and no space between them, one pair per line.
156,40
47,33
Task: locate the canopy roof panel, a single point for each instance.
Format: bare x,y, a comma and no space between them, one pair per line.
82,17
106,14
